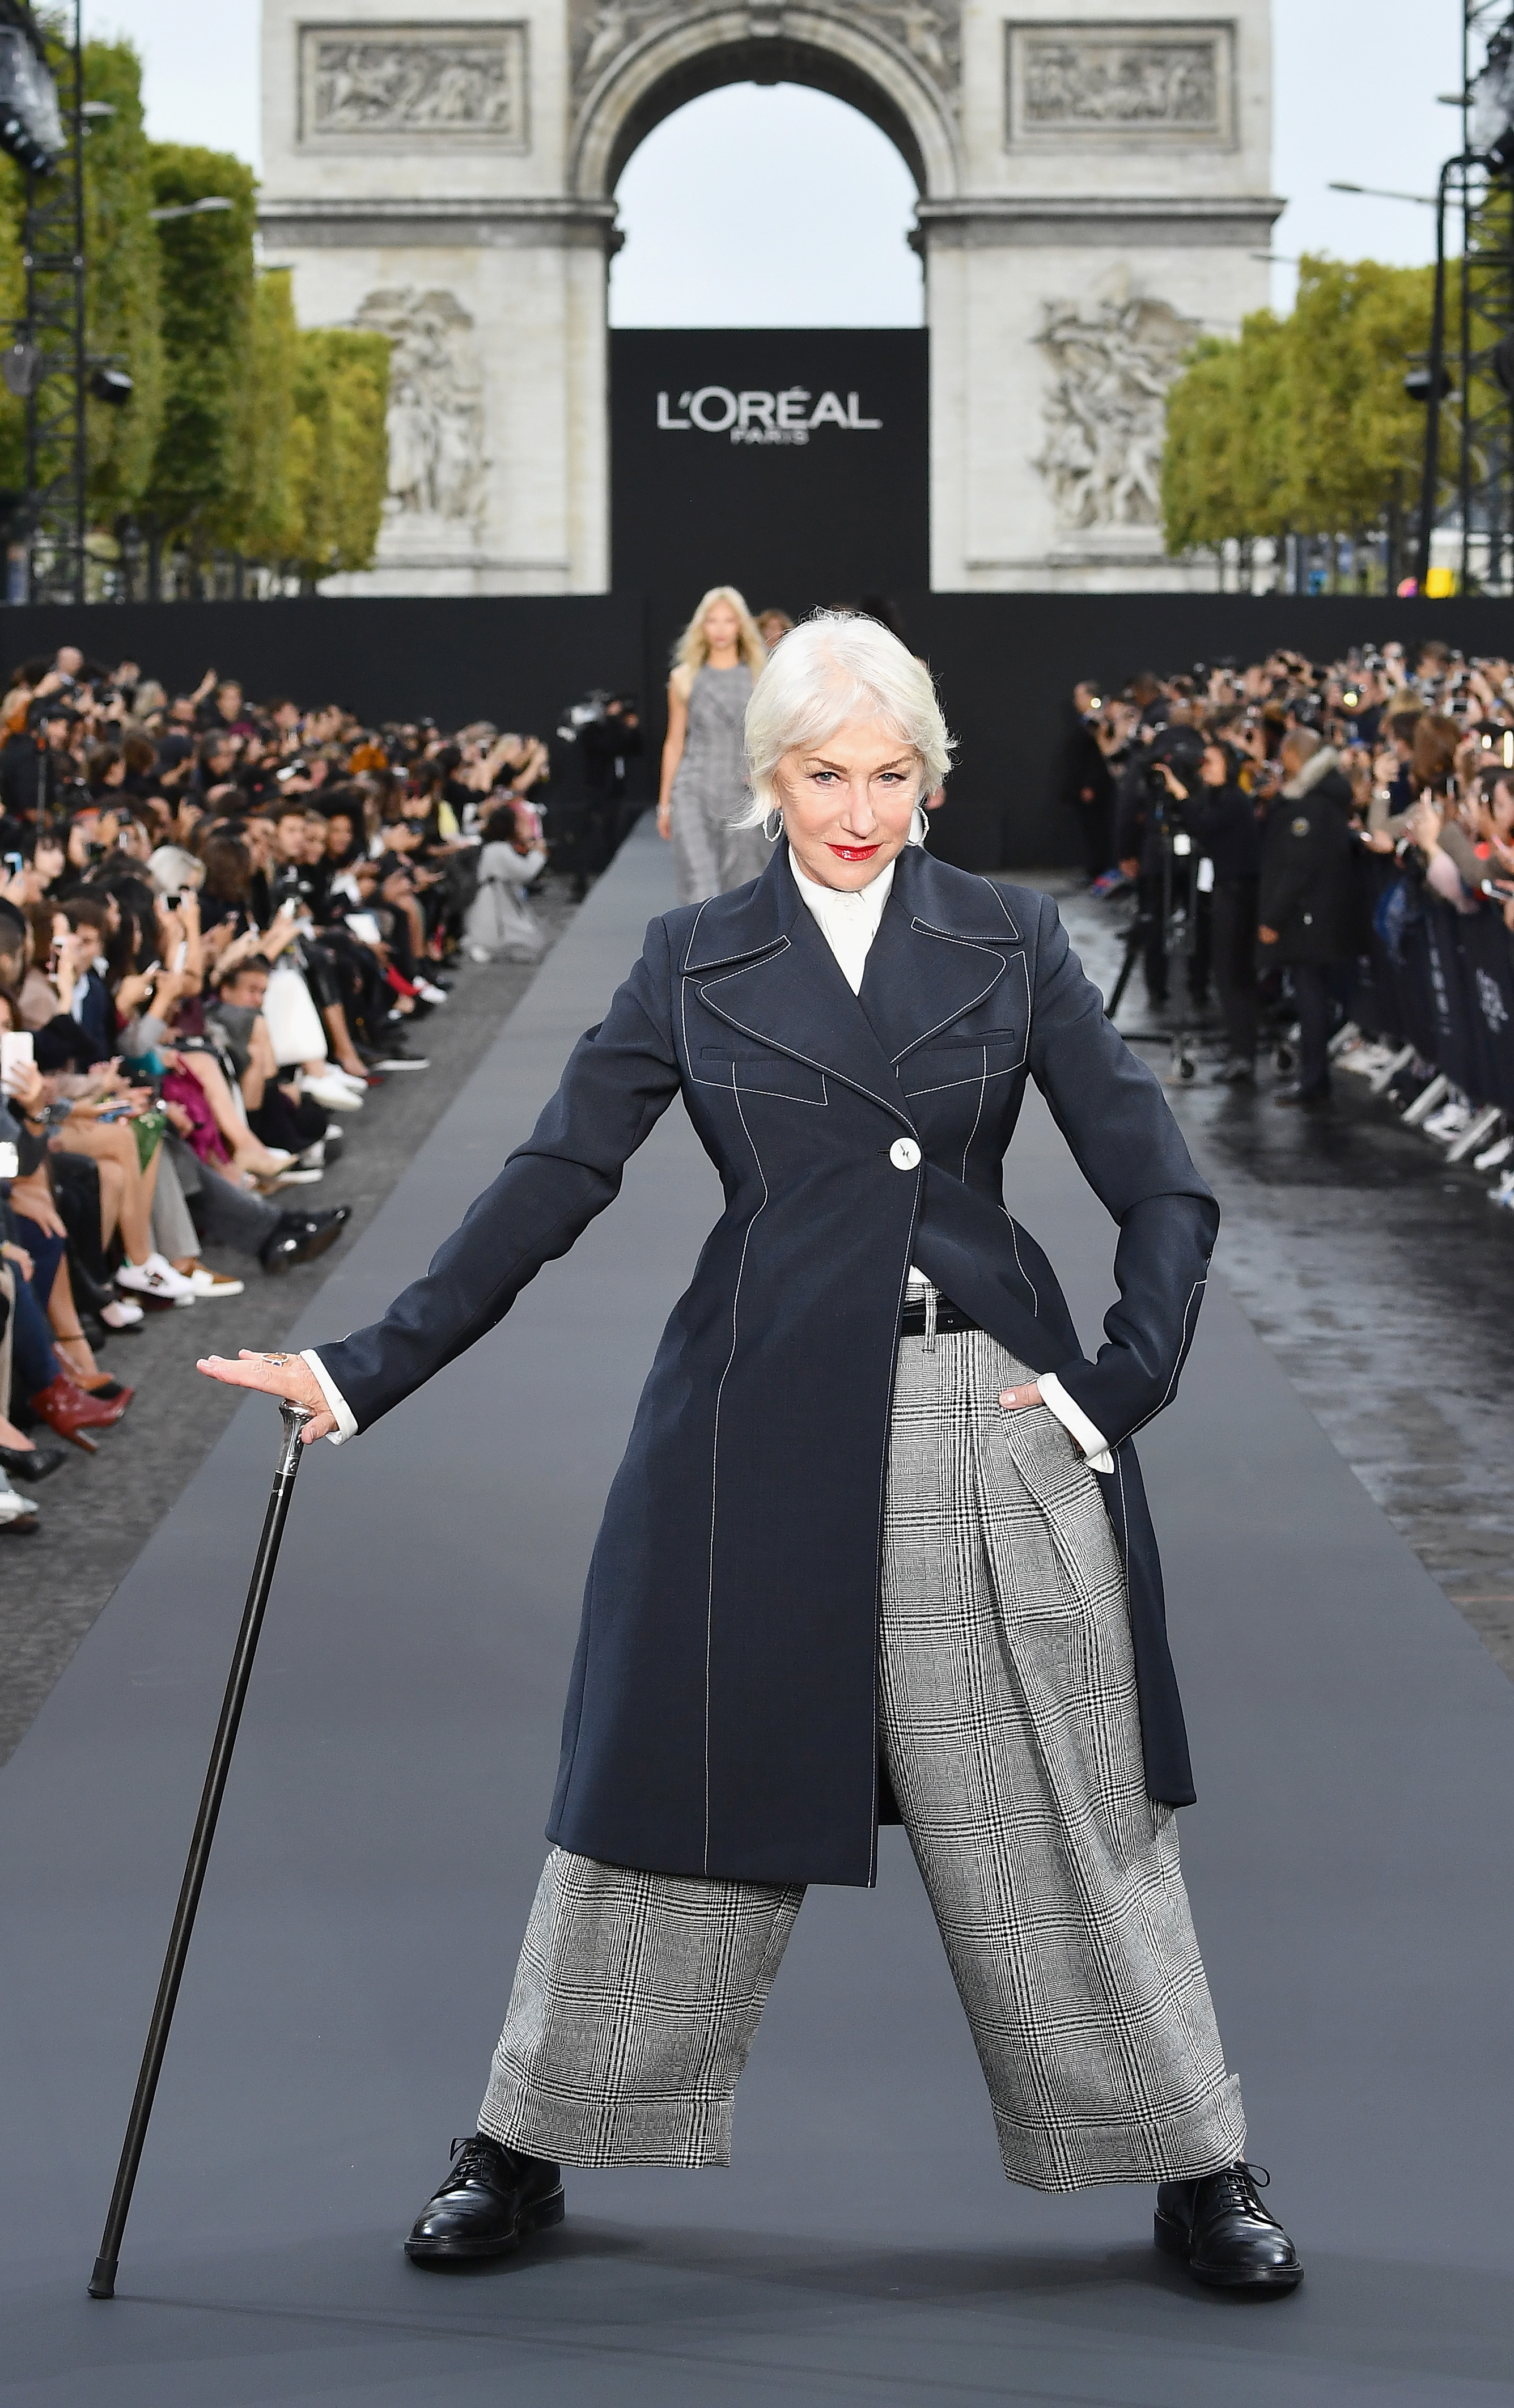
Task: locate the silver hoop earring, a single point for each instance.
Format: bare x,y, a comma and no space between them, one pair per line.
773,834
917,835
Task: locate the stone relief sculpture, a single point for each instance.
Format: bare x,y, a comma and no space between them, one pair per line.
1110,81
436,404
928,30
1111,361
410,81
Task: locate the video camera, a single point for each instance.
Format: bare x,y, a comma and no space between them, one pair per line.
1181,750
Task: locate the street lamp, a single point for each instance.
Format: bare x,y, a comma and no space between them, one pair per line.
1382,192
191,208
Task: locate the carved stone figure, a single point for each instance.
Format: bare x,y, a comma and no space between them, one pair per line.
1112,362
928,30
436,405
600,30
1104,79
446,81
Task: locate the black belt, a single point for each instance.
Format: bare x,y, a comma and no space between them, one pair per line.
949,1316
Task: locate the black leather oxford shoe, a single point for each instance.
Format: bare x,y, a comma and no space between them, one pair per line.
492,2198
1219,2228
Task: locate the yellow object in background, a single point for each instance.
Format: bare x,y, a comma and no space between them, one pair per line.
1438,583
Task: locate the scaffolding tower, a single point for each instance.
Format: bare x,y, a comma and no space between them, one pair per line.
1469,479
50,341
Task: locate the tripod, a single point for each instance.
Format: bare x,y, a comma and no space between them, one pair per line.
1181,870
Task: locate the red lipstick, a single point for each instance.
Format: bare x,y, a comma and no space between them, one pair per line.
853,852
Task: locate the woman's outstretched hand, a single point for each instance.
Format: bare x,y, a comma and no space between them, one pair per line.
277,1375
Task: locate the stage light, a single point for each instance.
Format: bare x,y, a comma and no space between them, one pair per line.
1493,103
112,385
20,366
192,208
31,129
1419,382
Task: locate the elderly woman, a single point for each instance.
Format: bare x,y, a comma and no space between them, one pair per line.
960,1623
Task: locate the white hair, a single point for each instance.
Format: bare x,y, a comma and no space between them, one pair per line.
835,667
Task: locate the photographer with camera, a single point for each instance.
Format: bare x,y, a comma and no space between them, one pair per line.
1150,814
1219,816
1311,900
1084,783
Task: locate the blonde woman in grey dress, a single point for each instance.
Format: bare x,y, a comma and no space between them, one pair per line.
703,785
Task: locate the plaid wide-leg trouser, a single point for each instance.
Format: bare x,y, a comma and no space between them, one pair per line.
1008,1720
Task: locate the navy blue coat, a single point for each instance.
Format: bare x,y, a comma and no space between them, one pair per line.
721,1717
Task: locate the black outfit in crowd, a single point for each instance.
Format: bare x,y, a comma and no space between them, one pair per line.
33,776
1225,826
1085,786
1311,895
1139,815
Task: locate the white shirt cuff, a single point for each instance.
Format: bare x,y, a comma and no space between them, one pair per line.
1074,1421
346,1419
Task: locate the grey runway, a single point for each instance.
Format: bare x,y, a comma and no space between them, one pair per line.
1350,1863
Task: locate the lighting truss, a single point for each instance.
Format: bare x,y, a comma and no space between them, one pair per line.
49,362
1470,374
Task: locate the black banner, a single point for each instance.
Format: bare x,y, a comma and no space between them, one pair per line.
793,463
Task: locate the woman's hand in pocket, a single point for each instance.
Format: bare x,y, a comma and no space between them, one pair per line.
1016,1399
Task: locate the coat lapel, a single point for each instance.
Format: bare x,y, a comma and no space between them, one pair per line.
760,963
764,967
942,947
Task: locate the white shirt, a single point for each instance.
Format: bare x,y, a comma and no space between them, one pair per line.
848,923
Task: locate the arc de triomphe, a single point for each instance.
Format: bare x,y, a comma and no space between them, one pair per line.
1094,187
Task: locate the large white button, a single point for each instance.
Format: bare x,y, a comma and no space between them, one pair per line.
905,1153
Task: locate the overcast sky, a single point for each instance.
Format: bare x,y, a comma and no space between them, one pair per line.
819,201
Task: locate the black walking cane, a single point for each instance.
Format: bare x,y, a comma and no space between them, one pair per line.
103,2280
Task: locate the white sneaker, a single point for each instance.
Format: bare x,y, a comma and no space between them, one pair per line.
1452,1122
1493,1154
123,1314
333,1088
16,1512
296,1179
155,1278
211,1285
404,1062
431,994
314,1157
479,953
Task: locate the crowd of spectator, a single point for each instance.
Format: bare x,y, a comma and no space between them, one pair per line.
1331,847
221,926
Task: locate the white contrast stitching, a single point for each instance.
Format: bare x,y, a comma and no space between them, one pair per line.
1014,1241
1183,1343
982,1091
829,1068
944,937
714,1459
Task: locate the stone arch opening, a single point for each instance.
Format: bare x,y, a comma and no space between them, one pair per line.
652,78
764,63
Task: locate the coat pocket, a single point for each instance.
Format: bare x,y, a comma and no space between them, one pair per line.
934,1067
761,1074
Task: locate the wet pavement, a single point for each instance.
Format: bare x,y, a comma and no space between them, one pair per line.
1378,1275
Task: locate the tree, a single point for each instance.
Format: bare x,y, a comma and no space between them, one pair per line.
1301,425
266,514
198,476
1353,431
122,299
339,450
